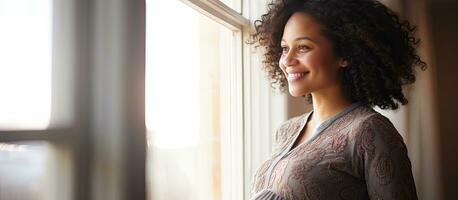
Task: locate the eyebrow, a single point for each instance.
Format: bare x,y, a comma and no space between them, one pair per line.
302,38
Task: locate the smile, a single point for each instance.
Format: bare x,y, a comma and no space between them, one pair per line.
296,76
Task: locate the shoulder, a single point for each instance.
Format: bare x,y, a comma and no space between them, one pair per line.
367,119
374,132
380,156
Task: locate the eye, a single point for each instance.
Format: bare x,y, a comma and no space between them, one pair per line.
284,49
303,48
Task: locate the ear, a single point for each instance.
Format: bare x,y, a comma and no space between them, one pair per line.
343,62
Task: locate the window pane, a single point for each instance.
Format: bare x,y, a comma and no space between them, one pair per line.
234,4
190,62
29,170
25,64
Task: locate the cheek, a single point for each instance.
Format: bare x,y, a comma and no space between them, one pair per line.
312,61
317,61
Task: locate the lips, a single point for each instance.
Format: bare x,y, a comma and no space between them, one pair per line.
296,75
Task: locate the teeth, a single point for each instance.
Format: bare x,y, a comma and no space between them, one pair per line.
296,75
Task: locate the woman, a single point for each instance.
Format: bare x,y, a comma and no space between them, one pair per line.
346,56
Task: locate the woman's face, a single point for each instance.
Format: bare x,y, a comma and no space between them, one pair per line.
308,60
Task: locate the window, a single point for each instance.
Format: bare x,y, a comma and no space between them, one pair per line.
36,129
234,4
194,113
25,102
25,67
30,170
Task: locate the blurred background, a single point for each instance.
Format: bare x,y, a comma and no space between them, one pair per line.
165,100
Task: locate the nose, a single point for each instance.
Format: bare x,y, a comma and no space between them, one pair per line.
289,59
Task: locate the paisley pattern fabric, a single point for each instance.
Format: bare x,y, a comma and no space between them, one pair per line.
357,154
267,195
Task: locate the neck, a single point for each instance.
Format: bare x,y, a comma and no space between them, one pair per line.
328,103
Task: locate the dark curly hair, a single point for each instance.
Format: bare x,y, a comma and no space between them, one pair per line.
379,47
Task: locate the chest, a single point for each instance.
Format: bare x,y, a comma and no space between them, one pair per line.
321,171
304,135
325,160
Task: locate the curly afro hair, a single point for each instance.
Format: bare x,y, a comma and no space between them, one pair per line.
379,47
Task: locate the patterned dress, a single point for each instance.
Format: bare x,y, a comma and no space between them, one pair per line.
356,154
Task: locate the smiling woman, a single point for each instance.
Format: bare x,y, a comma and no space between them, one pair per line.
347,56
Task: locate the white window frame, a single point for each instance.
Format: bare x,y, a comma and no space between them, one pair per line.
263,109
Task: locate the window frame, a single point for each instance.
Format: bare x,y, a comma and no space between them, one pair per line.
263,108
